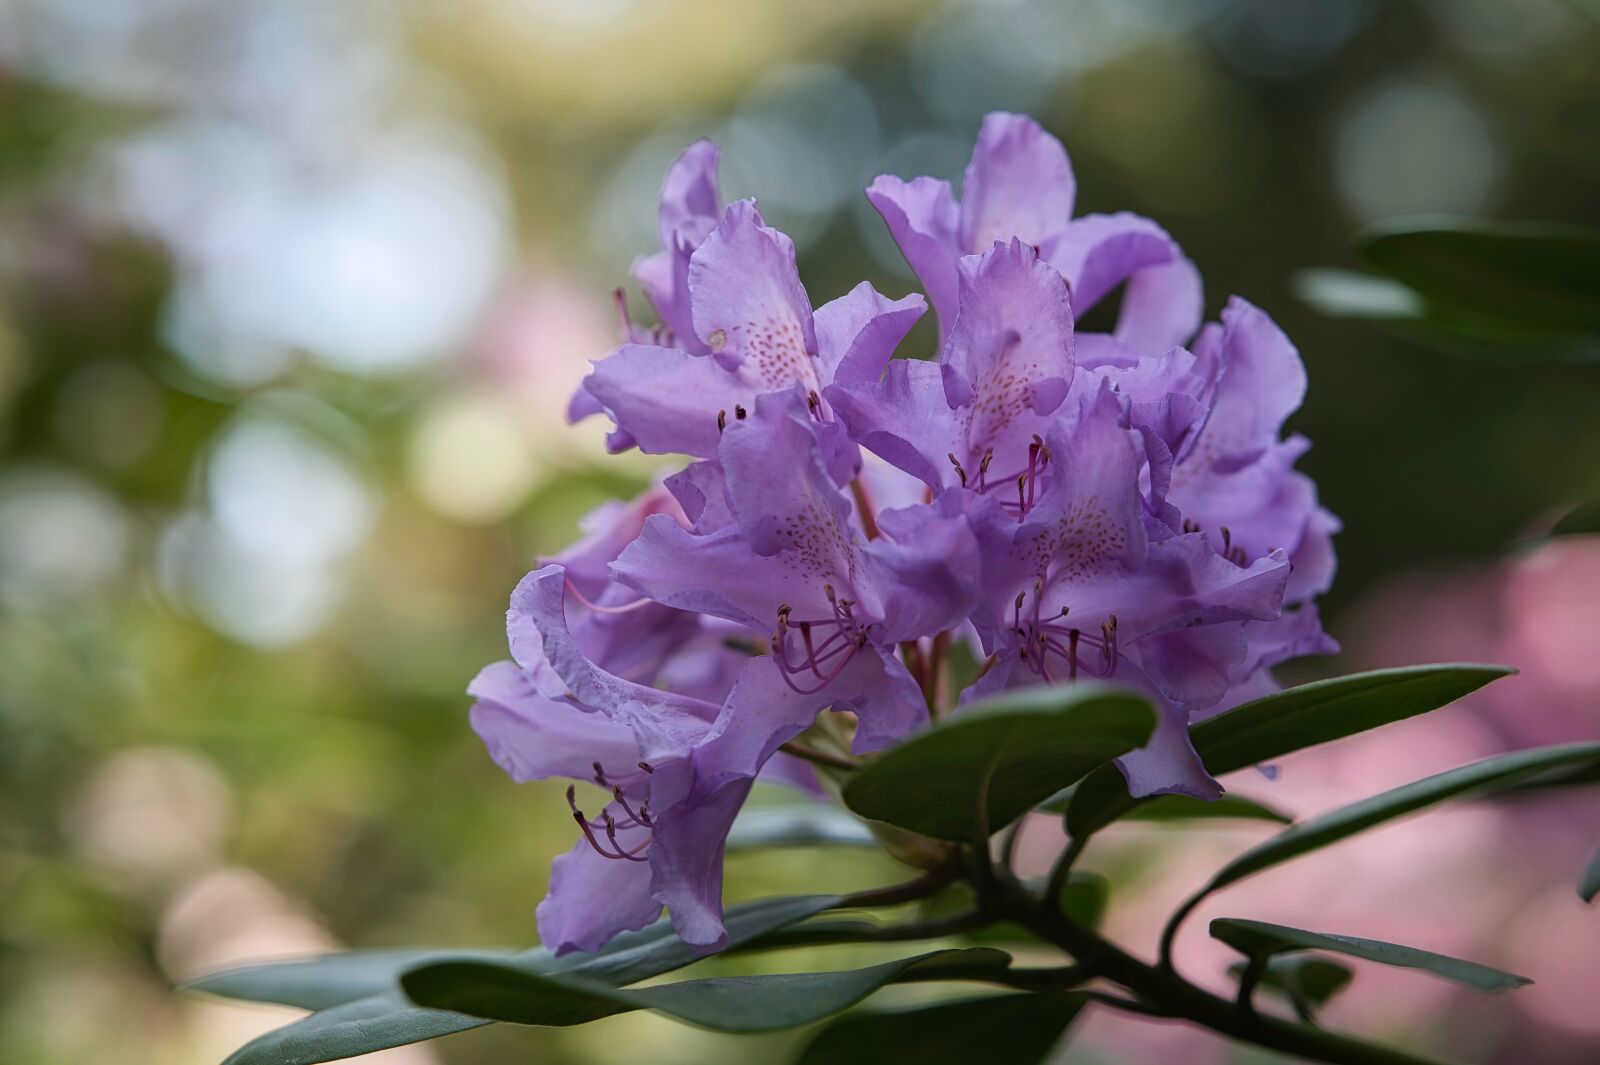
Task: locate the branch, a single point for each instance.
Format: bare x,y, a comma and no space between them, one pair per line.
812,754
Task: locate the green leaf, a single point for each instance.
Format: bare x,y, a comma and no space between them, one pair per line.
983,769
1324,710
1481,289
724,1004
377,1016
1291,720
1348,294
1479,778
1307,981
996,1029
1496,274
798,826
1589,883
323,981
1084,897
1257,939
375,1022
1187,808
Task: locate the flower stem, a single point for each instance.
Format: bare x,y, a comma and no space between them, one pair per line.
819,757
1159,989
869,518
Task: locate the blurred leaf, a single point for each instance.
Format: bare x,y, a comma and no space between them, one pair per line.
378,1020
1479,778
1001,1029
725,1004
1589,884
1582,520
1257,939
1325,710
980,771
1348,294
1498,274
1484,289
798,826
1084,897
1305,980
1292,720
1187,808
320,982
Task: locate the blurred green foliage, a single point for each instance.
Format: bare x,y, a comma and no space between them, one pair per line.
152,767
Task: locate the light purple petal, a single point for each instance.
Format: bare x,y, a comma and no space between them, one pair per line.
716,574
858,332
749,305
537,625
593,899
1168,764
690,203
667,400
783,495
923,218
1008,360
534,737
904,419
700,490
1019,184
686,852
1161,306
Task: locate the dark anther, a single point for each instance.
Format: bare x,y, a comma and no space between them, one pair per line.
739,412
646,767
600,776
722,420
961,473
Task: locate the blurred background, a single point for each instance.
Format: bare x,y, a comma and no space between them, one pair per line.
292,296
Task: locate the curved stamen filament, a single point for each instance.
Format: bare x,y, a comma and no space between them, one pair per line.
611,825
623,609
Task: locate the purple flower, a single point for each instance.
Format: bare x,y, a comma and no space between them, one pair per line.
1019,185
795,569
1070,505
752,332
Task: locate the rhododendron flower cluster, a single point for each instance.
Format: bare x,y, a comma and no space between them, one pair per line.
1060,504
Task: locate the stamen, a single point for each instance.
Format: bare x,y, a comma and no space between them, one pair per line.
647,767
600,776
620,298
739,412
960,472
1072,654
623,609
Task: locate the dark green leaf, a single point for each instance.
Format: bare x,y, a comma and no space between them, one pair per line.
1289,721
1186,808
324,981
996,1029
1325,710
1348,294
1257,939
726,1004
376,1022
377,1016
1496,274
1084,897
1304,979
988,766
1582,520
1589,884
1479,778
798,826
